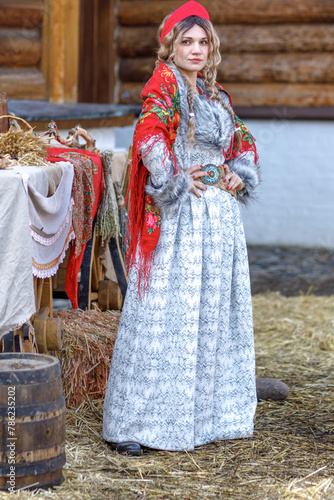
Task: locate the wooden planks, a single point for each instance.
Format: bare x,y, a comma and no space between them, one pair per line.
20,48
141,13
277,38
251,68
23,83
139,41
257,94
23,17
281,94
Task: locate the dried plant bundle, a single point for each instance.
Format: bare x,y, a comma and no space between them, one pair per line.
24,146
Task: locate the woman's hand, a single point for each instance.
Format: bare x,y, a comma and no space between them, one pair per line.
195,185
234,181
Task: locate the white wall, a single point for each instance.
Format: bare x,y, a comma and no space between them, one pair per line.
295,203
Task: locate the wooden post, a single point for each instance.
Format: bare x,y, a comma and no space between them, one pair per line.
97,51
71,54
61,54
3,111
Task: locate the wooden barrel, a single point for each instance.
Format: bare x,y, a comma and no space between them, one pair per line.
32,421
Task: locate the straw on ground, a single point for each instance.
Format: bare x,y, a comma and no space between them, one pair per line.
290,457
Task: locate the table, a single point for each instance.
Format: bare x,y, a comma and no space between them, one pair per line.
35,231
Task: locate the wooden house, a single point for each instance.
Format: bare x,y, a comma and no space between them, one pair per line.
277,62
274,53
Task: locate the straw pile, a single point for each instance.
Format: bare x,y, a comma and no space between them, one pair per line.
89,339
23,145
290,457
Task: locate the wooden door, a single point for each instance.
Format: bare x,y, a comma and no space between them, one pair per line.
97,53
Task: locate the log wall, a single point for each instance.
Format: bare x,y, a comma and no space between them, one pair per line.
21,75
274,53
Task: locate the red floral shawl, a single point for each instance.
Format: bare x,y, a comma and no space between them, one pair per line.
159,117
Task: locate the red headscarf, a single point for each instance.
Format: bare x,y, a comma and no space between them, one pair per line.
188,9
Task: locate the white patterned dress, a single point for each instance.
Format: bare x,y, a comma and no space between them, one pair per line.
183,369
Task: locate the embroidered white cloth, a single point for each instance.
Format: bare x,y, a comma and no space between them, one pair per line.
26,251
50,219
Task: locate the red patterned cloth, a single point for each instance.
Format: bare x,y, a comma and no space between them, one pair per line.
159,117
87,192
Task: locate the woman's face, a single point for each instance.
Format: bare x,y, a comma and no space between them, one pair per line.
193,50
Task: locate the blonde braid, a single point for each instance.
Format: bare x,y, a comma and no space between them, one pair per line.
191,121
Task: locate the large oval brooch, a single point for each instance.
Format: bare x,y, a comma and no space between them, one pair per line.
214,174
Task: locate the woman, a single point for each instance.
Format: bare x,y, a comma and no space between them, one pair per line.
182,372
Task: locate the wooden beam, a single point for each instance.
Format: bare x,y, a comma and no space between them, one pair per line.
280,94
23,83
71,50
257,94
61,23
141,41
33,4
137,41
3,111
97,51
27,17
268,68
136,70
251,68
276,38
103,44
55,15
20,48
86,57
233,12
46,298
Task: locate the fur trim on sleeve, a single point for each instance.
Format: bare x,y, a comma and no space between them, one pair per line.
171,194
249,173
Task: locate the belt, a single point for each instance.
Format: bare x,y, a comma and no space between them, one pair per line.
216,178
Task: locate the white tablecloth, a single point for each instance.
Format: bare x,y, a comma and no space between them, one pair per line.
35,231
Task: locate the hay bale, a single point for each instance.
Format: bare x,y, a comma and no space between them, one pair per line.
88,343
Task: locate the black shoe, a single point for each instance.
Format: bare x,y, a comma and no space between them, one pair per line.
128,447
